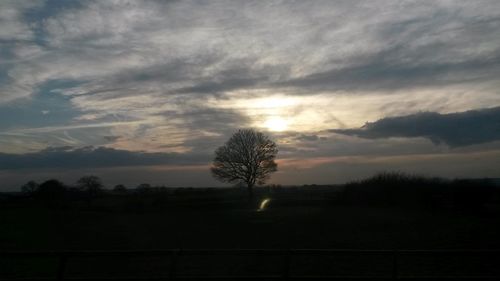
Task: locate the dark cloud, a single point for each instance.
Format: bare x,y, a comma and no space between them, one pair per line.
238,74
454,129
217,124
111,138
304,137
175,70
399,68
415,56
219,119
215,87
93,157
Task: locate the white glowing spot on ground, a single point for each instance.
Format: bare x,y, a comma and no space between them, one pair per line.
276,124
263,204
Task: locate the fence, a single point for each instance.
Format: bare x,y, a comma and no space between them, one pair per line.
175,256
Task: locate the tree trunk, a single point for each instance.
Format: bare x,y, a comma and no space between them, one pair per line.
250,192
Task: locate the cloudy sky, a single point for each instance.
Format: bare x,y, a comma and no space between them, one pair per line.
144,91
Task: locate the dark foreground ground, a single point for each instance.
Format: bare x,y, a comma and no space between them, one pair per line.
224,219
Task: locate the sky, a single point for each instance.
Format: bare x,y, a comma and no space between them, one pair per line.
145,91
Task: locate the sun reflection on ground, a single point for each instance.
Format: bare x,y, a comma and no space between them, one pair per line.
263,204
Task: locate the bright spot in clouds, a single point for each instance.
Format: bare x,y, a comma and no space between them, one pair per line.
276,124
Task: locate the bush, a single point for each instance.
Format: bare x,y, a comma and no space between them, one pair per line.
391,189
471,195
51,190
403,190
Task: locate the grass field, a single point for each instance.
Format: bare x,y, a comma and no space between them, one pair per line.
225,219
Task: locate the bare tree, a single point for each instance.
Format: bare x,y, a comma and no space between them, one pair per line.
120,188
92,185
29,188
246,158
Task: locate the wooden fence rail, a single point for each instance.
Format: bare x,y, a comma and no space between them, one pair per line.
288,254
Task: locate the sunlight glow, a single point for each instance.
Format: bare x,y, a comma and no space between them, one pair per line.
276,124
298,113
274,102
263,204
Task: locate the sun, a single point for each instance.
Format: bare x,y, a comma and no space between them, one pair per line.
276,124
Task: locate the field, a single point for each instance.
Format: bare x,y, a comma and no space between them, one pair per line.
225,219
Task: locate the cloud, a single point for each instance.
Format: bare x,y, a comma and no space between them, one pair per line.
454,129
93,157
181,76
180,48
12,20
307,138
111,138
387,71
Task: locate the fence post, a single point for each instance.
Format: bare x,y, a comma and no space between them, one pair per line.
395,269
63,258
286,265
173,263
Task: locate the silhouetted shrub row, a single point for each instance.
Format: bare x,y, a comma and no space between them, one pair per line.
53,190
391,189
399,189
92,187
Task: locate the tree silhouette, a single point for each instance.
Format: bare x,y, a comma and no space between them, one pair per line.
29,188
144,188
246,158
120,188
51,190
92,185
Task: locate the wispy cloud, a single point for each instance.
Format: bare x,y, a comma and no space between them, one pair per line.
93,157
180,76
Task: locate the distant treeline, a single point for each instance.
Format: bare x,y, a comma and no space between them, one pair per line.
90,185
388,189
404,190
